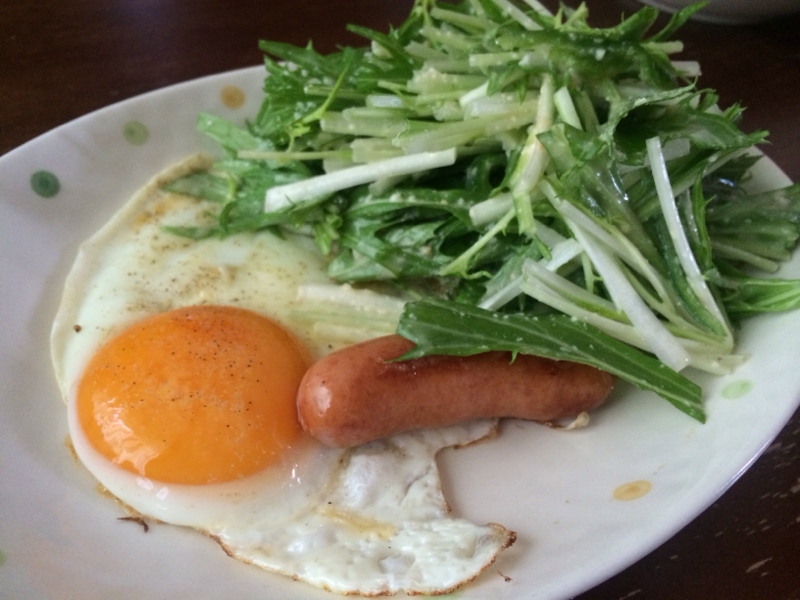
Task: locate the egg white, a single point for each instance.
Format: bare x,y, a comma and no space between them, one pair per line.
370,520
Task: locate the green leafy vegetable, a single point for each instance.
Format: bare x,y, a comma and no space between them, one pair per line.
438,327
533,183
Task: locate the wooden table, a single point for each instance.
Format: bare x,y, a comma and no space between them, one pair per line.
61,60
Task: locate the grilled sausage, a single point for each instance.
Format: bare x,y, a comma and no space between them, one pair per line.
353,395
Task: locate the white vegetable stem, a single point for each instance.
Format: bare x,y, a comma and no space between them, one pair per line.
284,196
538,7
676,232
515,13
619,245
533,159
562,250
488,211
345,296
347,314
561,255
566,108
658,339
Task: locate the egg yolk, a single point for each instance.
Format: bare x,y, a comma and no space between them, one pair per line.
197,395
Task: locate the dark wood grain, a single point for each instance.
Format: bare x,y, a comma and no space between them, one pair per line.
61,60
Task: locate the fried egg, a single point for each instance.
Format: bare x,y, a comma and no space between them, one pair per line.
179,362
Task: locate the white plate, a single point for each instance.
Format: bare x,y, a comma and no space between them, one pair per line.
60,539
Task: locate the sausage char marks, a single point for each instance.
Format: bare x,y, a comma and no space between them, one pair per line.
354,395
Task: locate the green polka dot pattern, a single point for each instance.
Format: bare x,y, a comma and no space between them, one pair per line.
135,132
45,184
737,389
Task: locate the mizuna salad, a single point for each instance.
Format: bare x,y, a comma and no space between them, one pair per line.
492,176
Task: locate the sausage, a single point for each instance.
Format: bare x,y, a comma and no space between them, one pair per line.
353,395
